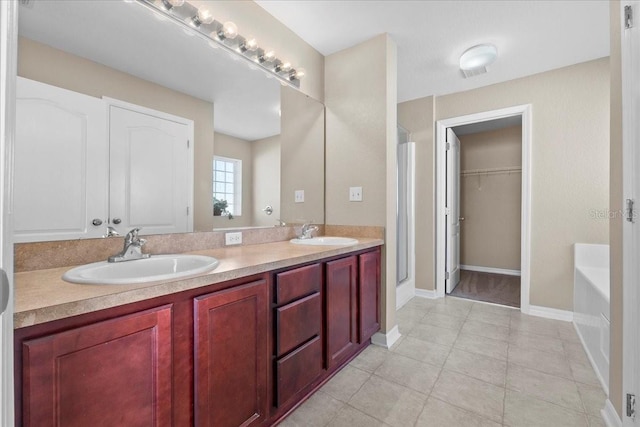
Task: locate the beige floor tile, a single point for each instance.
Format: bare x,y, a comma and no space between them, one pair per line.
486,330
423,351
575,352
500,319
536,342
410,313
391,403
351,417
496,309
437,413
434,334
567,332
521,410
421,303
551,363
584,373
346,383
593,398
453,307
443,321
370,359
484,368
468,393
315,412
596,421
482,345
556,390
410,373
535,325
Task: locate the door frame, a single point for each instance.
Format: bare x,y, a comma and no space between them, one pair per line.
8,72
441,181
630,66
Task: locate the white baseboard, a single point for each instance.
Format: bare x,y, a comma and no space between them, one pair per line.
490,270
423,293
386,340
550,313
404,293
610,416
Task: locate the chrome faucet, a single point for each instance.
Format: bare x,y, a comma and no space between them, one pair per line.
132,248
307,230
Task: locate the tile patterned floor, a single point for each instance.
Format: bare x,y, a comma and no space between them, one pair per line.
462,363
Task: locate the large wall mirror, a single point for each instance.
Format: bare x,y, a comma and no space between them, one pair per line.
264,139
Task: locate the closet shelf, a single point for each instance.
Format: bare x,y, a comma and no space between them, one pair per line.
491,171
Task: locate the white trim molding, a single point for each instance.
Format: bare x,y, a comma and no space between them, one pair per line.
404,293
610,415
550,313
525,111
424,293
492,270
386,340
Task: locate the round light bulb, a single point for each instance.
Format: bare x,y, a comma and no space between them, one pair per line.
251,44
299,73
230,30
205,16
285,66
269,55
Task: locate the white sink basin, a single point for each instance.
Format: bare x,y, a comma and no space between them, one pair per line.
157,267
325,241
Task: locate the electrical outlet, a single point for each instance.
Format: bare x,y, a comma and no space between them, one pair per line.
233,238
299,196
355,194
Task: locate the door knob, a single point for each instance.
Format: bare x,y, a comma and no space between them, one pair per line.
117,221
461,218
96,222
268,210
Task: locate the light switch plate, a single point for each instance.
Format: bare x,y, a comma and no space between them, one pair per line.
233,238
355,194
299,196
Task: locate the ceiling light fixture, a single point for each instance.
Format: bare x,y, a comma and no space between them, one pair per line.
200,21
475,60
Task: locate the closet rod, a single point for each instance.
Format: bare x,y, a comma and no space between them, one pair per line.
491,171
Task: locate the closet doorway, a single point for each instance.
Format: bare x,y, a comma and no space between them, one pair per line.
482,214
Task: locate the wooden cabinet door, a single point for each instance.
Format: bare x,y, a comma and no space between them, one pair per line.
369,294
342,305
231,356
113,373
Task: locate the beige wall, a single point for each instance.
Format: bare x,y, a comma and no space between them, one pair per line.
490,204
570,164
265,154
361,120
615,202
236,148
302,157
270,33
417,117
40,62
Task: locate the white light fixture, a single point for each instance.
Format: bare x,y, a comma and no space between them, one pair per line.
474,60
200,21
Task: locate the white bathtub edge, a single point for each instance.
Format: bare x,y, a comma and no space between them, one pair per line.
603,383
610,416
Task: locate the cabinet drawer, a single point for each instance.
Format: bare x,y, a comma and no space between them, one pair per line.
297,322
298,369
297,283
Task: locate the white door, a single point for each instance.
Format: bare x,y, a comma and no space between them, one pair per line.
150,173
60,164
8,51
452,278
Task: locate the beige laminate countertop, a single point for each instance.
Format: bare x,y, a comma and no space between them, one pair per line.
42,296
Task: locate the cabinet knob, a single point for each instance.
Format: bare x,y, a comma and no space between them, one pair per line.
117,221
96,222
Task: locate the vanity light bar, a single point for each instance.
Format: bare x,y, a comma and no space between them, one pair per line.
202,23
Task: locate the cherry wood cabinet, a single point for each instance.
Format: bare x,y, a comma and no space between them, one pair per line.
240,353
115,372
368,294
342,306
231,356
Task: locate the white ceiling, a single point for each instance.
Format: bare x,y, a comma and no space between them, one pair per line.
531,36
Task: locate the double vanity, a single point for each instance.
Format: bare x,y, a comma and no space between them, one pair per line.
240,345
